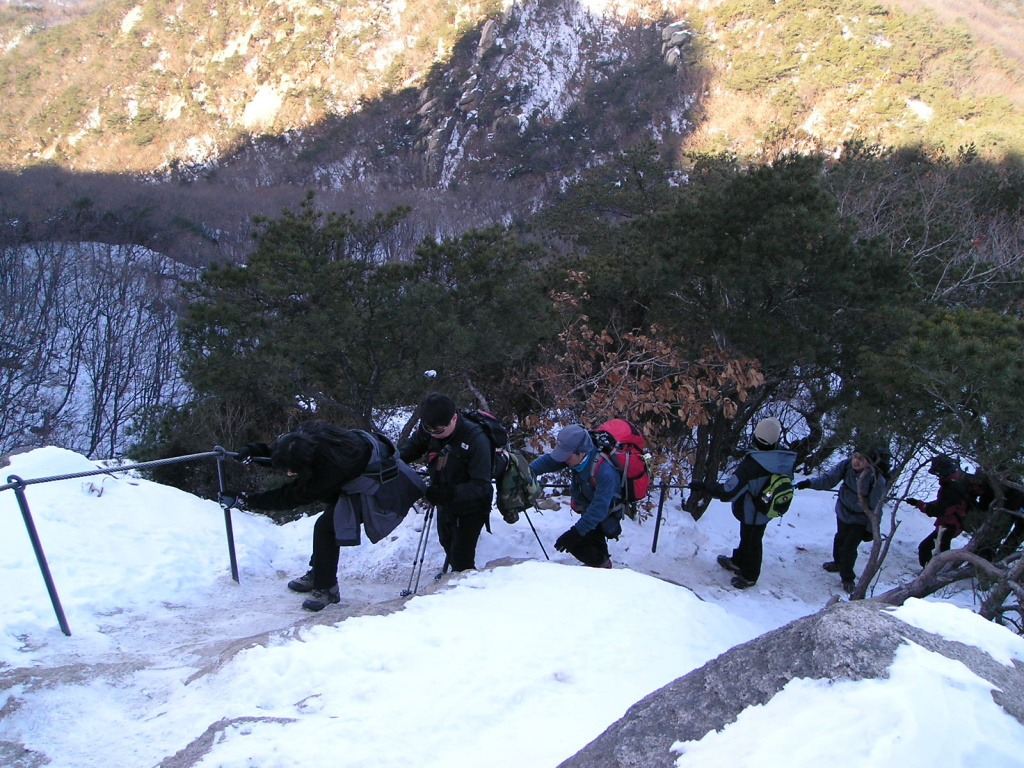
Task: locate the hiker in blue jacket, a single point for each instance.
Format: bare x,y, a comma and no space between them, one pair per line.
861,484
594,498
741,488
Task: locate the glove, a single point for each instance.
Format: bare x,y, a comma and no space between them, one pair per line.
229,499
253,451
803,485
439,495
914,502
510,517
698,486
568,540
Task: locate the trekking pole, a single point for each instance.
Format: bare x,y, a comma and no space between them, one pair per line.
527,516
657,520
423,556
421,551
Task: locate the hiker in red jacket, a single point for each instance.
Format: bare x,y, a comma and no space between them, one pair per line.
949,508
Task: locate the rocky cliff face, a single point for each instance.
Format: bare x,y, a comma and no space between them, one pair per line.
541,89
139,86
470,112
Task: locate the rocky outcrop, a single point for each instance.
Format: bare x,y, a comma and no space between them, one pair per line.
848,641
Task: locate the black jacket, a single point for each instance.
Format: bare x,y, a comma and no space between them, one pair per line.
461,461
341,455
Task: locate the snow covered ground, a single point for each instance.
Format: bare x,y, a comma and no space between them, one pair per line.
172,663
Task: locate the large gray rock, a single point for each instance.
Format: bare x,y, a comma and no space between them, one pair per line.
847,641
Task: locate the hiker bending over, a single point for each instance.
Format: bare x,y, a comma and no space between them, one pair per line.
321,459
742,488
949,508
459,457
595,502
862,486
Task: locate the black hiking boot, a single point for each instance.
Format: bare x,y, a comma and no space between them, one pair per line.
320,598
830,566
728,564
303,583
740,583
849,585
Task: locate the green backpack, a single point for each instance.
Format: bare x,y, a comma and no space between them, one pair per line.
776,496
518,489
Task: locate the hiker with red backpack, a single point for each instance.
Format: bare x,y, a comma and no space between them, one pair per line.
597,502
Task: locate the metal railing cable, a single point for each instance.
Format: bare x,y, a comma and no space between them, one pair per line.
18,485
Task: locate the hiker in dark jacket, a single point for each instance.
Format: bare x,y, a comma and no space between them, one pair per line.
459,458
949,508
741,488
320,458
594,499
861,485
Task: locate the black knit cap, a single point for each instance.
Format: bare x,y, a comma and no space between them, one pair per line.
293,452
436,410
943,465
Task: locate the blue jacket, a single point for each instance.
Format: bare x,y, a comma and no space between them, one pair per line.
596,503
749,480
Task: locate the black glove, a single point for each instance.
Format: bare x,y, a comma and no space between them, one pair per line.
803,484
914,502
229,499
698,486
510,517
439,495
568,540
253,451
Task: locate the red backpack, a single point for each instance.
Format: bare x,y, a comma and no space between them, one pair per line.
621,442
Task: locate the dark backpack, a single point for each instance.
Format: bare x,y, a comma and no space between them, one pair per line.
776,496
496,434
516,485
622,443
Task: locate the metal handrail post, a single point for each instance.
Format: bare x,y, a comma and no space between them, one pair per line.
18,486
221,453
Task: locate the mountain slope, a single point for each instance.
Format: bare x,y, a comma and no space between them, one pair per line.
140,86
204,114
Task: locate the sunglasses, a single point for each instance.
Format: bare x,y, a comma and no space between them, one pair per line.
437,430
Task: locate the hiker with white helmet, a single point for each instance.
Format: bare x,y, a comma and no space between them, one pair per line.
743,488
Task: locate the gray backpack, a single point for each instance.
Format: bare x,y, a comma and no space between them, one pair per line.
380,498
